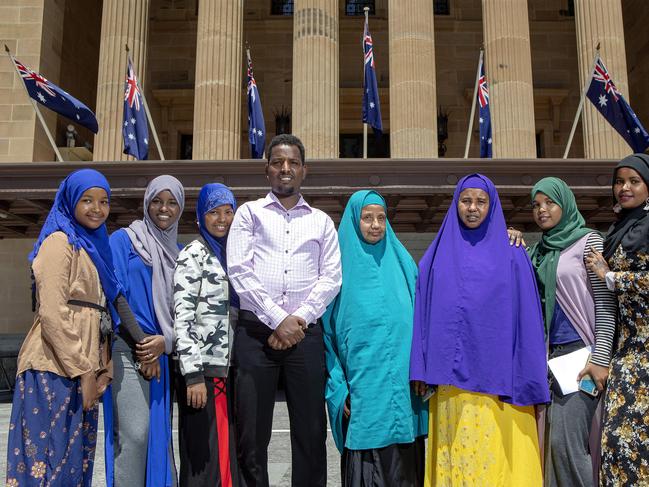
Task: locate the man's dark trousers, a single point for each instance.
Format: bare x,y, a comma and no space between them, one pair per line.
257,368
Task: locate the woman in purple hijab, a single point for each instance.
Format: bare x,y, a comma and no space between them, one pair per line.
478,343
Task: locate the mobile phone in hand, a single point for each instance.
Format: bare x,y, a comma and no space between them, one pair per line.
430,391
587,385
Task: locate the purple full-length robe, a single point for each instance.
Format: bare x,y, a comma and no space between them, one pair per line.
478,324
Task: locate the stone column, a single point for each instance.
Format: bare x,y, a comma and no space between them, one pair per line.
315,77
601,21
218,89
122,22
508,63
413,99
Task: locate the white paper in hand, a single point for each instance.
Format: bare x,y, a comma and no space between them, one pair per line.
566,368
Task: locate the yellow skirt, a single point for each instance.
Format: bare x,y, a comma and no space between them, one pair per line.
476,439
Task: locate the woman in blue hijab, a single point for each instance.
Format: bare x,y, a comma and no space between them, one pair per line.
63,365
378,424
478,339
205,308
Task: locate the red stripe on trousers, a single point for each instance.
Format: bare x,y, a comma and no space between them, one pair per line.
222,431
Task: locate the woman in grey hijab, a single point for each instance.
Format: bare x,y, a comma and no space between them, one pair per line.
139,450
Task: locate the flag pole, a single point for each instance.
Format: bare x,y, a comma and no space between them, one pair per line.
364,141
249,60
38,112
366,10
581,102
473,103
146,109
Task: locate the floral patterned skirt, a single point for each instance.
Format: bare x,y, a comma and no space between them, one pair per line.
477,440
625,433
51,439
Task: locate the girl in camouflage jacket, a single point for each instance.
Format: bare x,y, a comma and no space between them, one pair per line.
203,309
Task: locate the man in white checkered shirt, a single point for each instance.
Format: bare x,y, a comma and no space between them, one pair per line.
284,262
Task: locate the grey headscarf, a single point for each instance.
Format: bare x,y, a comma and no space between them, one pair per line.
159,249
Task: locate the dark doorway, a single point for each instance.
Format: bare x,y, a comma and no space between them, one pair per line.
351,145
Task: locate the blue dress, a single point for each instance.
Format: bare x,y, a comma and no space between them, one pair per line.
137,280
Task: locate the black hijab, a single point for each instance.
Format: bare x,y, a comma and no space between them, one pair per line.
632,226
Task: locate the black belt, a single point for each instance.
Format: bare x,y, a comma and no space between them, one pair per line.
246,315
105,322
86,304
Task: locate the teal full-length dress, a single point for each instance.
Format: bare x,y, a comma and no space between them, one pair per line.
368,333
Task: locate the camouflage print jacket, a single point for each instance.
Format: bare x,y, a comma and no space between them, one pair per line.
201,305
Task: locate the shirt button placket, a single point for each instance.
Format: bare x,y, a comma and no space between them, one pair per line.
286,257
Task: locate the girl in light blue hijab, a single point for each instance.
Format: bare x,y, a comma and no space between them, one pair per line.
377,422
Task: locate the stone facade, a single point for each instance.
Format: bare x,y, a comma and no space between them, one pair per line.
62,39
30,30
16,298
636,19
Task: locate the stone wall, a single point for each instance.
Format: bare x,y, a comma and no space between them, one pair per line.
636,20
457,38
60,38
21,29
51,46
15,293
555,72
79,64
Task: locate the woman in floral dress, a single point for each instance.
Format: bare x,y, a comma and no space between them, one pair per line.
625,268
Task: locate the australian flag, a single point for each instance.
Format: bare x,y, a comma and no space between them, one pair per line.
371,105
56,99
256,125
610,103
483,113
134,128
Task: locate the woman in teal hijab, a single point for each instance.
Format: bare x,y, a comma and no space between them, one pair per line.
579,311
378,424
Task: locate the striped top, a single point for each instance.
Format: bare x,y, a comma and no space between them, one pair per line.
605,308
